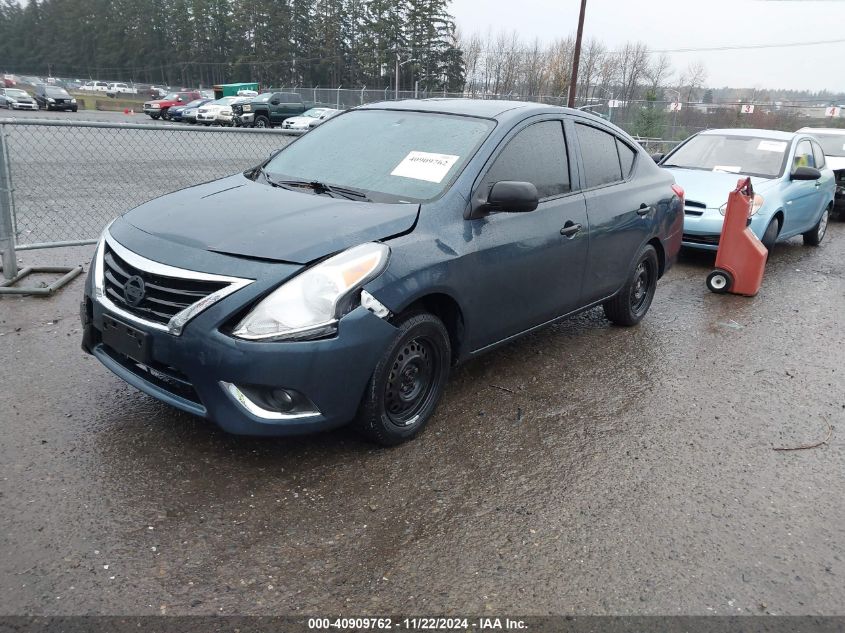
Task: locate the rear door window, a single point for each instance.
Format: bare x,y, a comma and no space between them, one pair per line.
599,155
537,155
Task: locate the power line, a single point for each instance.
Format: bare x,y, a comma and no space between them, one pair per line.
740,47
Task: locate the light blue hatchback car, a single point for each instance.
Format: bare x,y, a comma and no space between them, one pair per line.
793,186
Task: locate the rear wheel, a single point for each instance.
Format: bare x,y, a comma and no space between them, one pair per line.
814,236
719,281
770,237
408,381
630,305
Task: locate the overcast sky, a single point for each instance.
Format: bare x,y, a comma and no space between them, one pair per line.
676,24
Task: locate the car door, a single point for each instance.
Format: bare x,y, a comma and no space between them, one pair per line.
528,272
803,198
620,209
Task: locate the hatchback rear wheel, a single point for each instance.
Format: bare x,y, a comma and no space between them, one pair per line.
408,381
815,235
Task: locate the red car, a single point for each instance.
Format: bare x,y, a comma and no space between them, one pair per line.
159,107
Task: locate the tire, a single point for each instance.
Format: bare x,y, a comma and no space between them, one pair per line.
720,281
815,235
261,121
631,303
408,381
75,110
154,117
165,115
770,237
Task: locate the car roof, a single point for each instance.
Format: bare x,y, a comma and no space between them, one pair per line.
487,108
772,134
823,130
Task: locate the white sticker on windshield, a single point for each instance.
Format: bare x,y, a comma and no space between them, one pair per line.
425,166
772,146
731,169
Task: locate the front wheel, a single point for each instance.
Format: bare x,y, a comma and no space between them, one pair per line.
770,237
408,381
631,303
261,121
154,117
719,281
165,114
815,235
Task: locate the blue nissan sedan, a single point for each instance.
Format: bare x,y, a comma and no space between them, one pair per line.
793,186
341,279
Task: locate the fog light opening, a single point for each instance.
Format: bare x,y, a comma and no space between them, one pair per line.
277,403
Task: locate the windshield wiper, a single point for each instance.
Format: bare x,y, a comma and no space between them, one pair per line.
272,182
321,187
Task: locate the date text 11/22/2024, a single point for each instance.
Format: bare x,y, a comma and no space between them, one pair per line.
417,624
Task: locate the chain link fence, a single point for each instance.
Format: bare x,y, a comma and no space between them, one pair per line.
69,179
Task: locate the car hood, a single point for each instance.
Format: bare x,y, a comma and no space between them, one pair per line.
711,188
835,162
240,217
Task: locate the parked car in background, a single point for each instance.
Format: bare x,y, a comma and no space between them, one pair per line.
95,86
177,113
117,89
268,109
832,141
309,119
159,108
9,81
345,276
54,98
793,187
17,99
218,112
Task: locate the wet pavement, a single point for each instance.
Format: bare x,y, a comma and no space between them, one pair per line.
583,469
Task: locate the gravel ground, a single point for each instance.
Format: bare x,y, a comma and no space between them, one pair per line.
585,469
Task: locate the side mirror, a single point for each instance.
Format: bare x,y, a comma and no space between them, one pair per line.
657,157
179,99
274,101
805,173
513,196
274,153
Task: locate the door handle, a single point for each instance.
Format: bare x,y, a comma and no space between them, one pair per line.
818,184
644,209
570,229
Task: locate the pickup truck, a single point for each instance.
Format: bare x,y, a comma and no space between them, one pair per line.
268,109
159,107
117,89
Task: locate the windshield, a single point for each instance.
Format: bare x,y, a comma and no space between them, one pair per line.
314,113
16,93
393,156
749,155
832,144
195,103
57,92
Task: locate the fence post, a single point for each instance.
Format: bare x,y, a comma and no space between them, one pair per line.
7,231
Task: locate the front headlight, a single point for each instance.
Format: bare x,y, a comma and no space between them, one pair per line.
310,304
755,207
73,100
51,100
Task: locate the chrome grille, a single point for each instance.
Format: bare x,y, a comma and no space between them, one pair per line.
164,297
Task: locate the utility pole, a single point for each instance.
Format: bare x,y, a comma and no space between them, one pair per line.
396,85
576,57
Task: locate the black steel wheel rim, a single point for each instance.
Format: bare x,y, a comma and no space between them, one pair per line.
412,380
643,279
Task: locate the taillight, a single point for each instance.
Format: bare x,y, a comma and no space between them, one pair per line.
678,190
